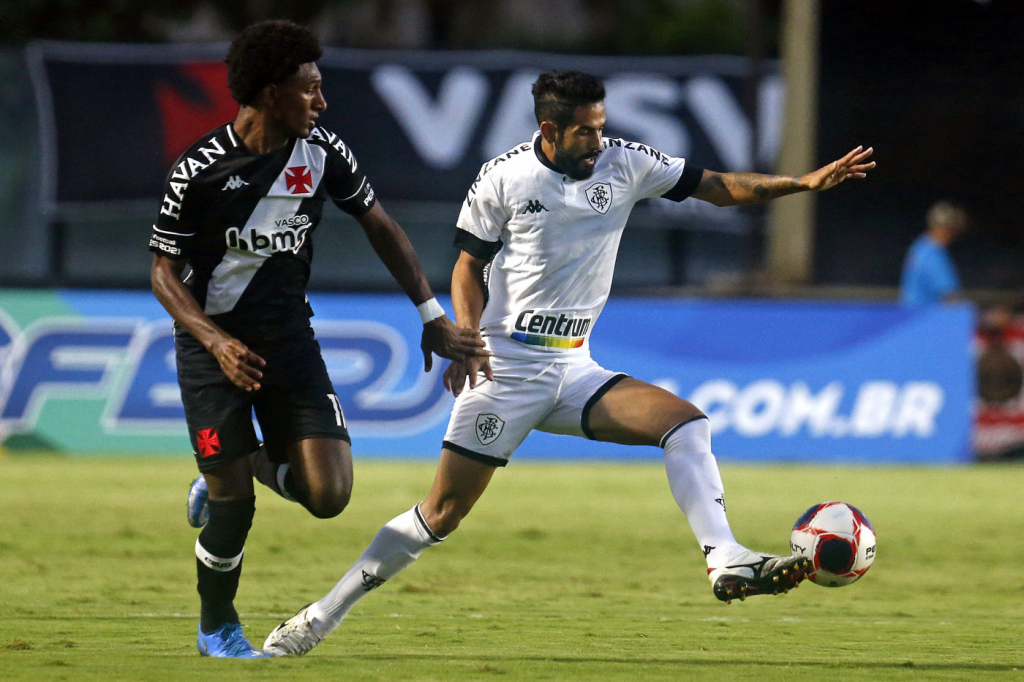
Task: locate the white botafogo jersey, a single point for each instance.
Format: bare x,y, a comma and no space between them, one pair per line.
556,240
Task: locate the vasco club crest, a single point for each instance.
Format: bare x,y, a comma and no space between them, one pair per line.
488,428
600,196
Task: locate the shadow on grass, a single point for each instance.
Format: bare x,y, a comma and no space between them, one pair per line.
838,665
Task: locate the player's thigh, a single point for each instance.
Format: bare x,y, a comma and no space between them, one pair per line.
584,382
232,480
633,412
458,484
490,421
323,465
218,413
297,403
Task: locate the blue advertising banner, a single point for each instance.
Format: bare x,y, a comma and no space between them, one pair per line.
807,381
93,372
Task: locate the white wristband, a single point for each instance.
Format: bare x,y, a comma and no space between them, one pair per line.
430,310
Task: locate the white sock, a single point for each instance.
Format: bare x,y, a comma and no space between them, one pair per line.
268,473
282,490
697,486
396,546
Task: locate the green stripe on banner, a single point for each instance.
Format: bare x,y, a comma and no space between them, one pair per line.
25,307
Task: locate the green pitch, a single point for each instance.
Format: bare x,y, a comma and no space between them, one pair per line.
562,572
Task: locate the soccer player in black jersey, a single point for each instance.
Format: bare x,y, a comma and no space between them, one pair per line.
239,209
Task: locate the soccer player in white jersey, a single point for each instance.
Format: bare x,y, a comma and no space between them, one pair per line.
539,231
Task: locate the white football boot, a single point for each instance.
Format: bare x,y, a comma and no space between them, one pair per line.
294,637
752,573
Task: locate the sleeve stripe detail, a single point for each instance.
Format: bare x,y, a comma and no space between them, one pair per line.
356,193
688,181
474,246
179,234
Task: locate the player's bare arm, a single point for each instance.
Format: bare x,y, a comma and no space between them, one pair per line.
392,246
237,362
468,302
731,189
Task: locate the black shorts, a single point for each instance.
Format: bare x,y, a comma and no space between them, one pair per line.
296,401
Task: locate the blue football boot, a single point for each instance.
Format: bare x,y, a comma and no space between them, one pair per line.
227,641
198,506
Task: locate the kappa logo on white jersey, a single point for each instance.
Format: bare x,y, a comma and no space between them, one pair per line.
488,428
600,196
534,206
234,182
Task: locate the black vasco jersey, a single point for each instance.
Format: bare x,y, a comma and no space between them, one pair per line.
243,222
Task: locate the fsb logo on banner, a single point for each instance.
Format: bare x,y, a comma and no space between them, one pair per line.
96,373
125,367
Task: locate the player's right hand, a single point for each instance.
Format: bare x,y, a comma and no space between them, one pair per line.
442,337
239,363
459,371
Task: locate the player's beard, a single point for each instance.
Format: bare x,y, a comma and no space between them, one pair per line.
573,165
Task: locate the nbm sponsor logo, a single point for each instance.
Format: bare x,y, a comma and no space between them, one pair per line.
550,325
284,239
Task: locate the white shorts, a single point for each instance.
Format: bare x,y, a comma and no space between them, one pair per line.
490,421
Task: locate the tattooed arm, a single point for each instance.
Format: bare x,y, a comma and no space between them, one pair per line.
730,189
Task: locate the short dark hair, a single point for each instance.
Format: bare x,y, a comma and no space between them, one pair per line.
557,94
268,53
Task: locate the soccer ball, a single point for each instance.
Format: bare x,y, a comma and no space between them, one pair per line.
839,541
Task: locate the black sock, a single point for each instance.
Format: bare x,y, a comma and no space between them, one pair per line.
220,565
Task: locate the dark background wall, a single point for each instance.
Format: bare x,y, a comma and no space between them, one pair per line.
936,88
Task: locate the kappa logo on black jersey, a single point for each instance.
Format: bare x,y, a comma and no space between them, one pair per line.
534,206
234,182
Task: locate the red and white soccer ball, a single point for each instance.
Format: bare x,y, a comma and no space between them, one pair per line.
839,541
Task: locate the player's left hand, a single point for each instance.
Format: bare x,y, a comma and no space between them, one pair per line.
850,166
441,336
459,371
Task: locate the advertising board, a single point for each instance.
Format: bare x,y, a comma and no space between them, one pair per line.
93,372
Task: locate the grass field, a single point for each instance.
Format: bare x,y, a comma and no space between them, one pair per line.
562,572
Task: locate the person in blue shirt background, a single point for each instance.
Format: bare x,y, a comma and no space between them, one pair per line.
929,274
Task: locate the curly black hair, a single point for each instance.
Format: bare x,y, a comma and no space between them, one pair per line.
557,94
268,53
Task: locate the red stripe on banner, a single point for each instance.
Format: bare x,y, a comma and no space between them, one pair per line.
184,118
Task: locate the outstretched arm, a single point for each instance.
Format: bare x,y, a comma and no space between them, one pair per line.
731,189
393,248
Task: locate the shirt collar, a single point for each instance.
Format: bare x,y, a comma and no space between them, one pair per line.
541,156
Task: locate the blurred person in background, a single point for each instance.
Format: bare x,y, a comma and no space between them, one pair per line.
929,274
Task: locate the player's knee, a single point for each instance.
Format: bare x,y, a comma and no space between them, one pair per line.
684,411
681,412
327,501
